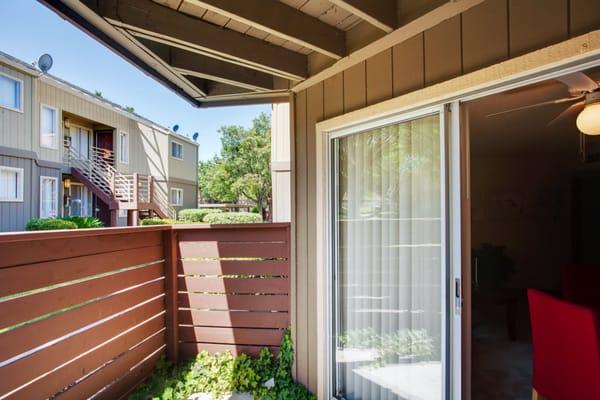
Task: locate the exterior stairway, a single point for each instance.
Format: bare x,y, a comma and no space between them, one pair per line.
119,191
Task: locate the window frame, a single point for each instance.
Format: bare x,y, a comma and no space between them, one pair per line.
327,185
21,95
55,179
20,184
127,153
175,189
171,150
56,126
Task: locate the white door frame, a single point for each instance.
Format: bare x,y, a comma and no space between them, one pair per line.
374,114
324,290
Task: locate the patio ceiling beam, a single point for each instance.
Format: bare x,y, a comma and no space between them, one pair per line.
198,65
279,19
159,23
379,13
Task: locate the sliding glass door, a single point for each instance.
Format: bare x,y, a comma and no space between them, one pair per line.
389,262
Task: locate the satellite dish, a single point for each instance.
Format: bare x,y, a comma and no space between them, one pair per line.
175,128
45,62
195,137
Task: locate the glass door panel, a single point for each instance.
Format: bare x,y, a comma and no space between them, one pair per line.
389,267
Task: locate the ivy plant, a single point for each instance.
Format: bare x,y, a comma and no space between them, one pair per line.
222,373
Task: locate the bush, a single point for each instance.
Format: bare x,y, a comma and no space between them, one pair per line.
223,373
47,224
85,222
159,221
191,215
233,218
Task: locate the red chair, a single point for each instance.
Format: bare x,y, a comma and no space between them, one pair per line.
566,349
580,284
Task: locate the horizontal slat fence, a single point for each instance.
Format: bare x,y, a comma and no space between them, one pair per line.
233,288
82,313
87,313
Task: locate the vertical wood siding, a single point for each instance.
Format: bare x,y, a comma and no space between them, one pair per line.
494,31
15,127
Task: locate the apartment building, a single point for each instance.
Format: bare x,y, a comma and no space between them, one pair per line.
65,152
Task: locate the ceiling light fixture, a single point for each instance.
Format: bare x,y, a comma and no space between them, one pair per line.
588,120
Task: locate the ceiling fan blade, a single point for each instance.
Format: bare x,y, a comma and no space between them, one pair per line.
544,103
572,109
578,82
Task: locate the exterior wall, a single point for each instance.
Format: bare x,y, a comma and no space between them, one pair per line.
491,32
15,126
280,162
187,168
190,193
149,145
15,214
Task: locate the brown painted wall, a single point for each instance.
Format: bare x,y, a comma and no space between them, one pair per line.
489,33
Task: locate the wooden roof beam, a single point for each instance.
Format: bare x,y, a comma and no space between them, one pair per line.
198,65
163,24
380,13
281,20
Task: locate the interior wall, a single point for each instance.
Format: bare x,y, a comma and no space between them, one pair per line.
493,31
524,204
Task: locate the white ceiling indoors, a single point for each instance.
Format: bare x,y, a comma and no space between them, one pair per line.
524,132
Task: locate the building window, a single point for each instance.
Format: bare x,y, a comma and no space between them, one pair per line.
11,184
124,147
176,197
48,197
11,93
176,150
49,127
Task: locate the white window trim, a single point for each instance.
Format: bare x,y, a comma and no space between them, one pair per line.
20,177
174,189
171,150
56,126
14,78
128,146
55,179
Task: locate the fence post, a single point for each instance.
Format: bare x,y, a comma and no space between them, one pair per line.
170,247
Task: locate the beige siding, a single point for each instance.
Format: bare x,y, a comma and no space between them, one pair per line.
15,126
187,168
485,35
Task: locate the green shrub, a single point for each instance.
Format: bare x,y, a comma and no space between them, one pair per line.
223,373
233,218
159,221
85,222
47,224
191,215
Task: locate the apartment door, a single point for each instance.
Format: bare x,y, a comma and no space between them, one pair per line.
103,139
390,294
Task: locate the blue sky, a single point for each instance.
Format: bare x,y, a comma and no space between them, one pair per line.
29,29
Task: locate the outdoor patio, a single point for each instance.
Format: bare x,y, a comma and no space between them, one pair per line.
88,313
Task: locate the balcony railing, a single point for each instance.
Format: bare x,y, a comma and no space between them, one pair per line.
87,313
128,191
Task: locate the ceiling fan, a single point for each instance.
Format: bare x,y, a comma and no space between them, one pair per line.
584,94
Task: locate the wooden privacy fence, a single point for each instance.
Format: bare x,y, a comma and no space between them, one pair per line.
233,284
87,313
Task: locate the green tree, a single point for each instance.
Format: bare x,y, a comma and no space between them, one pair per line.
242,168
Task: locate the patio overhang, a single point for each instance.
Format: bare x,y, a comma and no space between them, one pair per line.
219,52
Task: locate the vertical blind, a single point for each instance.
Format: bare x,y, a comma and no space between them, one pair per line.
388,287
49,124
48,197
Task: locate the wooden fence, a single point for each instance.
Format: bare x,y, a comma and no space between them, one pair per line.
87,313
233,288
